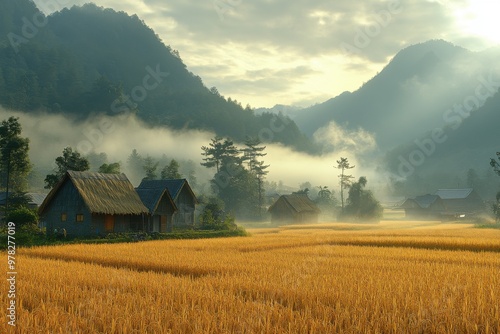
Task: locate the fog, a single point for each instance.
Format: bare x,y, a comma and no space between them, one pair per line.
118,136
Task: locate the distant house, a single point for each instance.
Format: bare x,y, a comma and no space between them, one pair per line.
444,204
295,208
423,207
182,195
86,203
161,208
460,203
34,199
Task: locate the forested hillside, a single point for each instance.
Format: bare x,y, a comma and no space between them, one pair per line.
87,60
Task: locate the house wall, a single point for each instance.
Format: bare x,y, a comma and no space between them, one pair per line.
162,220
68,201
473,204
121,223
308,217
185,203
281,212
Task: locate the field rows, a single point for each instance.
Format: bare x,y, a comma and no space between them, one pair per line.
288,281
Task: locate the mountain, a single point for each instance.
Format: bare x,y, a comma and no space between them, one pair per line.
290,111
89,60
409,96
456,155
433,111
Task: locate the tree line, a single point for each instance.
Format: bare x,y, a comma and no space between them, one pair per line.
238,185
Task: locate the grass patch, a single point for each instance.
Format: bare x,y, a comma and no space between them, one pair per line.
39,239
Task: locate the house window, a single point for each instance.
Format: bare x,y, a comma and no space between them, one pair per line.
79,217
64,217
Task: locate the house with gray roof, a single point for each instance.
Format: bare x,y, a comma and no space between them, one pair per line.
181,194
161,208
445,204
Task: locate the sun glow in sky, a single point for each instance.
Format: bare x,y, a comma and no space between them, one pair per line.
480,18
263,52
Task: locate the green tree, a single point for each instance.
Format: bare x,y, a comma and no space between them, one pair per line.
473,179
112,168
345,180
326,200
150,166
22,216
361,204
70,160
235,185
171,171
135,163
214,217
237,189
14,160
218,152
496,164
251,155
496,206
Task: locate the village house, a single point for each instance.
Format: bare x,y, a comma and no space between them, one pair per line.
445,204
87,203
182,195
295,208
161,208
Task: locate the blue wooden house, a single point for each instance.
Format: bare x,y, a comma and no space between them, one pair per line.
161,208
87,203
181,194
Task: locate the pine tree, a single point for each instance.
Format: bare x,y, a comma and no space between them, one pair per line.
14,160
171,171
251,155
149,167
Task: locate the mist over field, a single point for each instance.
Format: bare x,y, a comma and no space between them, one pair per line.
118,136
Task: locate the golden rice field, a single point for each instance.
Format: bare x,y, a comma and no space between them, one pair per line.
329,278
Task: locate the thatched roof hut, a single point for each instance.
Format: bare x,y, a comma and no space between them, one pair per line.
111,194
93,203
295,208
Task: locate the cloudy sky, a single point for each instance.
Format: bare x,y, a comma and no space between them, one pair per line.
301,52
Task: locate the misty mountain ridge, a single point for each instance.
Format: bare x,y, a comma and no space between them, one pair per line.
88,60
410,95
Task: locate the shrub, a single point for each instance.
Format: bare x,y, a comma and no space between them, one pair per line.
22,216
214,217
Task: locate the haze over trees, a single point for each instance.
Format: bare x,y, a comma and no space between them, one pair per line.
239,175
111,168
345,179
14,160
15,164
361,204
496,206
